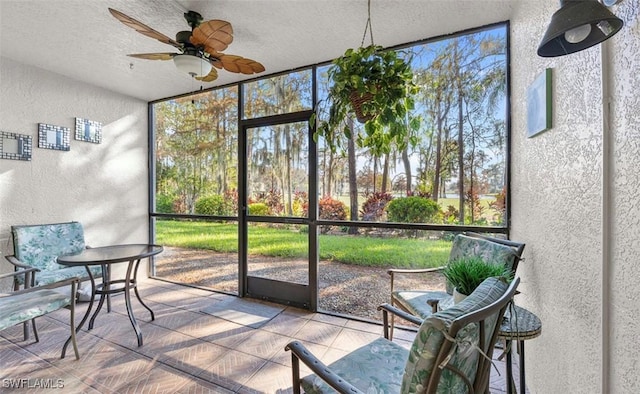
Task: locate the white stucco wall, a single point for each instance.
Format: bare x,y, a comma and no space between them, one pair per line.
103,186
557,209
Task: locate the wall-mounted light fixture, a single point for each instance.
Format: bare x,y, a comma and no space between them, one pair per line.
578,25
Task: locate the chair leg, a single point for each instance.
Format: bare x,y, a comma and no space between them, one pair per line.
391,325
25,330
295,370
35,330
72,322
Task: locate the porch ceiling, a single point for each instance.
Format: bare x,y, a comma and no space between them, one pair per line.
81,40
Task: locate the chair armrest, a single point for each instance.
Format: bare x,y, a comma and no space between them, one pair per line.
21,272
13,260
300,352
388,308
393,271
62,283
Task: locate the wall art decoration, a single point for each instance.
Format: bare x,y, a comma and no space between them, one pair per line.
53,137
539,112
88,130
15,146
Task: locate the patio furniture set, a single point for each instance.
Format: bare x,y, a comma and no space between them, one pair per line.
451,353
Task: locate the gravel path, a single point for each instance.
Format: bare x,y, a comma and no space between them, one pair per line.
344,288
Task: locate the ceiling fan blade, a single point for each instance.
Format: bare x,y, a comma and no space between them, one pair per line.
214,35
143,29
239,64
154,56
212,76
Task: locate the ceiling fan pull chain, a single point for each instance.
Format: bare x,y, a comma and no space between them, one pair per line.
368,26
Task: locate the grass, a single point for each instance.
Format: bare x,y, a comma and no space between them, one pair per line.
388,252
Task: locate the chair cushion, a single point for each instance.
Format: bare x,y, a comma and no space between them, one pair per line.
373,368
430,337
39,246
415,302
48,277
15,309
490,252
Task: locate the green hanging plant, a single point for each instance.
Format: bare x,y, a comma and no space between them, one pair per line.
374,86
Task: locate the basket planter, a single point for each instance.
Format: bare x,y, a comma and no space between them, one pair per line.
356,101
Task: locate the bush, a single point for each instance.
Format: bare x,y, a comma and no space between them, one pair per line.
211,205
330,209
273,200
373,209
164,203
414,209
258,209
300,204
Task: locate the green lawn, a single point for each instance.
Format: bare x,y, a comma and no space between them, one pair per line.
392,251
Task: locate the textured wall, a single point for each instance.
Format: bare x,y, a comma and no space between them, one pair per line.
104,186
557,195
624,306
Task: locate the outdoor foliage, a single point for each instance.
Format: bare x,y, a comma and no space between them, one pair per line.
301,204
273,200
213,205
164,203
374,207
414,209
445,141
331,209
258,209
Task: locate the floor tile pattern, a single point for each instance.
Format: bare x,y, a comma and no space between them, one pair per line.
185,350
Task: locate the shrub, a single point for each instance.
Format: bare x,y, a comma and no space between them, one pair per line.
231,202
330,209
211,205
164,203
414,209
451,215
499,206
373,209
258,209
301,204
273,200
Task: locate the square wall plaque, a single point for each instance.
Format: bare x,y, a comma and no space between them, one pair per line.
53,137
88,130
15,146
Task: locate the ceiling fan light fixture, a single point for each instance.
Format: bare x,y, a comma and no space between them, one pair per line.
192,65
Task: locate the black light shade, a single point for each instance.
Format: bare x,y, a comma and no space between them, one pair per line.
588,23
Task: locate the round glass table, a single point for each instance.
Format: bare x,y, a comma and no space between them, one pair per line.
106,256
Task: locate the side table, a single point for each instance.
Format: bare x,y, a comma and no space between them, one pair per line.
518,325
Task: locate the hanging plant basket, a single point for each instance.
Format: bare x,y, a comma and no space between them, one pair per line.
373,85
357,100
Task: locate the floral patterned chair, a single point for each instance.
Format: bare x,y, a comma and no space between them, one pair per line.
451,353
423,302
38,246
26,305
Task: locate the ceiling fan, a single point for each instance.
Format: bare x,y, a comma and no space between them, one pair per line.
199,49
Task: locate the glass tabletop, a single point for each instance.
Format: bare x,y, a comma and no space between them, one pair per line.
110,254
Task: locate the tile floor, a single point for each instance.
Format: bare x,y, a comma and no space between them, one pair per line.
184,350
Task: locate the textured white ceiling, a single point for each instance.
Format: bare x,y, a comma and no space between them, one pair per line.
81,40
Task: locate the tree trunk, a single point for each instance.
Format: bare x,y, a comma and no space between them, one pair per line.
407,169
353,184
385,174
